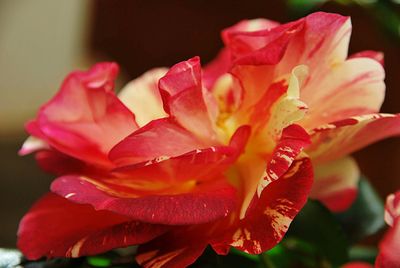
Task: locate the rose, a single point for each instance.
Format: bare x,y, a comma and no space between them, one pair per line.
216,163
343,94
189,178
389,247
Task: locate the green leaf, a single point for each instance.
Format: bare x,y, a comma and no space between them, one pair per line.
304,6
364,254
365,216
316,227
99,261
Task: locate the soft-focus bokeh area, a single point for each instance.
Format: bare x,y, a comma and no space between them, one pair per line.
42,40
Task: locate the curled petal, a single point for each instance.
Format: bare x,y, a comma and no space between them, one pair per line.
340,138
161,138
85,119
55,227
184,98
192,204
392,208
335,183
143,98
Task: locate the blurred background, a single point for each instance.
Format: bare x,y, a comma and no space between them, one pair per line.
41,41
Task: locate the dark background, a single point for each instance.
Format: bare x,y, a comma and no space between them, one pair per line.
140,35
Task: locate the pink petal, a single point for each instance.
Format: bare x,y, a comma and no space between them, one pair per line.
340,138
392,208
143,98
85,119
184,98
197,204
335,183
259,45
161,138
55,227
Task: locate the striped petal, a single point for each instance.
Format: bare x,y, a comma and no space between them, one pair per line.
55,227
335,183
335,140
270,216
352,88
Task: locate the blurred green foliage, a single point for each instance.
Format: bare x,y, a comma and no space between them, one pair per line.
383,11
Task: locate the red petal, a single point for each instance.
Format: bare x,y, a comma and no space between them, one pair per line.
203,203
389,248
55,227
197,165
266,45
85,119
341,138
293,140
184,98
269,217
160,138
173,250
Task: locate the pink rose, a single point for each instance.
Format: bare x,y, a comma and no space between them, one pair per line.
186,158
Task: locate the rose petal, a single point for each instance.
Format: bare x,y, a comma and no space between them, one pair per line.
375,55
160,138
184,98
335,183
269,218
192,204
143,98
359,80
173,250
340,138
55,227
85,119
389,248
392,208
